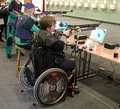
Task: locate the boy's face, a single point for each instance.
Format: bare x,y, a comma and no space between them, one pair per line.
52,28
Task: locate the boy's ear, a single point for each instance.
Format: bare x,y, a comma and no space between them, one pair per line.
48,29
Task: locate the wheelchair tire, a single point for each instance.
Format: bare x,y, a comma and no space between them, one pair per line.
51,86
23,78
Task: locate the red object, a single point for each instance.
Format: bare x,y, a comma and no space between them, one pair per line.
43,5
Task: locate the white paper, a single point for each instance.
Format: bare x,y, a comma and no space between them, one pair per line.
1,21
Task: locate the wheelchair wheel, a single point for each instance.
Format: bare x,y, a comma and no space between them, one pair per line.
23,79
51,86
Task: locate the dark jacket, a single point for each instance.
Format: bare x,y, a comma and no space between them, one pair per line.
52,45
4,14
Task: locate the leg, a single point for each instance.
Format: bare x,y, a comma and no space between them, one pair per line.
1,31
68,66
10,34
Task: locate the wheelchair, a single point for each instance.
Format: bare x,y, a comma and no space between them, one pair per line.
50,86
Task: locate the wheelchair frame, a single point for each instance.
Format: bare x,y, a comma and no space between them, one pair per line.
50,87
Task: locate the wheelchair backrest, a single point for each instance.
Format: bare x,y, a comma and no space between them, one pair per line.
38,60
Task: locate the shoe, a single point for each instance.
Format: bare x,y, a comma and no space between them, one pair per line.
76,91
69,92
9,56
1,40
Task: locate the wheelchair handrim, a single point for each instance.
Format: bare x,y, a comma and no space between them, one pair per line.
23,80
49,91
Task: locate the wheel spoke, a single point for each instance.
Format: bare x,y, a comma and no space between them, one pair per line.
52,96
53,78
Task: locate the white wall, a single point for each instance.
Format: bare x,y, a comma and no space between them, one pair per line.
39,3
22,1
36,3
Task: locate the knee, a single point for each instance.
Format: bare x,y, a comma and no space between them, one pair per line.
72,66
68,65
9,41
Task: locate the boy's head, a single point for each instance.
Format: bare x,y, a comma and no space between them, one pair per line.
48,23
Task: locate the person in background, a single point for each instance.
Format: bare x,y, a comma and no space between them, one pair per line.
14,7
26,25
53,46
3,18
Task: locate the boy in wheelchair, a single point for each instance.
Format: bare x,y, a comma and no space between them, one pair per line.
53,46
